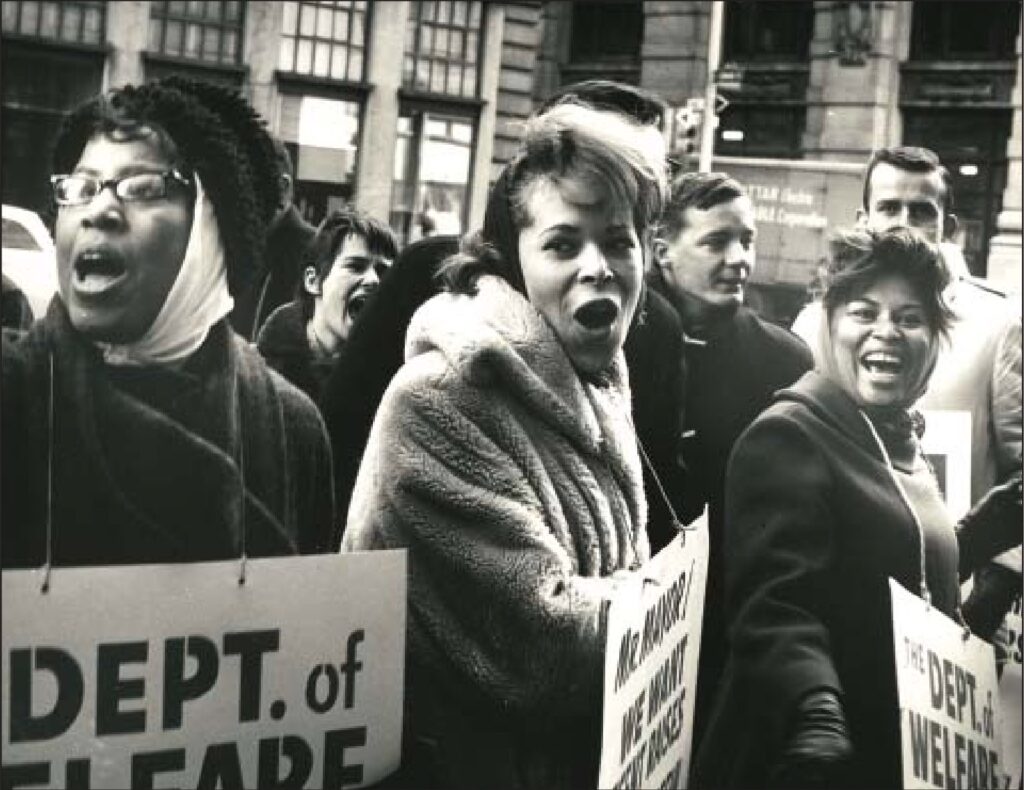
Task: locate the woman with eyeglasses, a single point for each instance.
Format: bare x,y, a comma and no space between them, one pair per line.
137,427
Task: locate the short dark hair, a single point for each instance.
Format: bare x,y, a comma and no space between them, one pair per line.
697,190
329,239
914,159
858,257
643,106
206,129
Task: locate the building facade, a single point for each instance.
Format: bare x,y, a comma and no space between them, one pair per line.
809,82
409,109
395,107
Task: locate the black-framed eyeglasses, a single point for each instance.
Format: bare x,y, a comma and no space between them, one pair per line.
79,190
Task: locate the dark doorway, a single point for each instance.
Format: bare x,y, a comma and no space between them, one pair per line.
972,144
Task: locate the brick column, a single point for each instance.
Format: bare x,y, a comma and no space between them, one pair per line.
1005,249
263,21
376,157
850,107
127,34
490,71
674,52
520,67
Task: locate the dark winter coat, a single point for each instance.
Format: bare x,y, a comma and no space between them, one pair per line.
815,526
373,353
283,260
517,489
149,463
285,346
734,366
657,379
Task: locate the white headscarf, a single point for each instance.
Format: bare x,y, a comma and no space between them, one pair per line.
198,299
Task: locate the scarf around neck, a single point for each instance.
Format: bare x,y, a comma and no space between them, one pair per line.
899,427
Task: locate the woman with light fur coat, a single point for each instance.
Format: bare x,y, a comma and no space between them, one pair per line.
503,459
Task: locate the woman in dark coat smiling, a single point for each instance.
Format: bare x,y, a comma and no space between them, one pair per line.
828,496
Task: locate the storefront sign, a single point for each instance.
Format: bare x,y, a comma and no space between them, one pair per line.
180,676
651,656
948,698
796,204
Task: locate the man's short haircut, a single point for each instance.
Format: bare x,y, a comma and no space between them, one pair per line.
913,159
697,190
641,105
330,237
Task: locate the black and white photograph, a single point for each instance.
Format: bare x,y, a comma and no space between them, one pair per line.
474,394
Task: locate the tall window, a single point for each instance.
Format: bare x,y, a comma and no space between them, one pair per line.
437,120
979,30
71,22
592,27
322,137
321,65
42,84
776,32
433,161
594,52
768,43
326,39
442,48
208,31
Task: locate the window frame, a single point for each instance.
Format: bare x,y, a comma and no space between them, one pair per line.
426,104
164,16
310,77
944,54
299,85
749,52
416,21
101,45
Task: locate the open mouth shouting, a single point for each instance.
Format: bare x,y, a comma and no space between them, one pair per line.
597,315
357,301
98,270
883,366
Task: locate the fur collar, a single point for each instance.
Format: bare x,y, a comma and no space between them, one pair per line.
497,337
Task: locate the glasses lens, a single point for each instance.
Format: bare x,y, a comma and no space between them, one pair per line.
73,190
142,186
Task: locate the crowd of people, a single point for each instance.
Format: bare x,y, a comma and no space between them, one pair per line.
531,411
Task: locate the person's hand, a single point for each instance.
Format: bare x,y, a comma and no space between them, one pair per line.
991,598
819,746
993,525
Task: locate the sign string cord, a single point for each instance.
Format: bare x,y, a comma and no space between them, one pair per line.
49,480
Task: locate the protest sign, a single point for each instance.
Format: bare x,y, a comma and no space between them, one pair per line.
947,446
180,676
948,699
650,664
